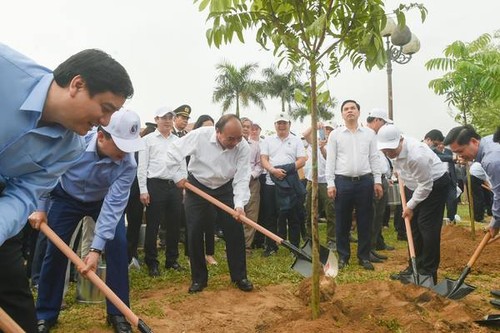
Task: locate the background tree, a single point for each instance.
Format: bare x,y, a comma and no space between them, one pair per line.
235,86
326,103
282,85
472,81
307,32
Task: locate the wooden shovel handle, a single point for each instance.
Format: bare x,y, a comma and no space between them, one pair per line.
479,249
232,212
8,325
110,295
409,234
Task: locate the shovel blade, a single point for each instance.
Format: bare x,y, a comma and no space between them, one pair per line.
327,258
419,279
450,289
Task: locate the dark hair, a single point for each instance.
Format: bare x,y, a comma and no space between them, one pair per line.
106,134
148,129
201,119
349,101
496,136
219,126
461,135
100,71
434,135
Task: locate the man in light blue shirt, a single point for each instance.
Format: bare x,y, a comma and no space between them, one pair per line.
42,115
98,186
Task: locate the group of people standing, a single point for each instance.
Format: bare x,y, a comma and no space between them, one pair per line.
69,149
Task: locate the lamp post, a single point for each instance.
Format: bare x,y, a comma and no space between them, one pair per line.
401,44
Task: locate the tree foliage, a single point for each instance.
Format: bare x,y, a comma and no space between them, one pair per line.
302,108
472,80
282,85
235,86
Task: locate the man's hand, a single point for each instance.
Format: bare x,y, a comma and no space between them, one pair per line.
181,183
239,212
379,191
332,192
37,218
91,261
408,212
145,199
278,173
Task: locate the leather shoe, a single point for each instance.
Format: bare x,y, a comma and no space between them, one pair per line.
397,276
244,284
378,255
366,264
197,287
175,266
342,264
373,258
385,248
495,293
44,326
495,302
119,323
154,271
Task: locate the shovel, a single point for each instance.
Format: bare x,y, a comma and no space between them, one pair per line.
415,277
458,289
490,320
8,325
303,258
92,276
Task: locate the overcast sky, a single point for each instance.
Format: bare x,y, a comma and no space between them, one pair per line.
162,44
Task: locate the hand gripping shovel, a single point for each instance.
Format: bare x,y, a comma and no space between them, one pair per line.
303,259
8,325
458,289
415,277
110,295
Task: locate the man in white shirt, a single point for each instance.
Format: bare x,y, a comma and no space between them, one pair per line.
158,192
353,174
253,205
427,182
220,166
282,155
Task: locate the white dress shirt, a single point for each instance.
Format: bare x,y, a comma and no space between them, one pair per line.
255,164
211,164
418,166
352,154
152,160
281,152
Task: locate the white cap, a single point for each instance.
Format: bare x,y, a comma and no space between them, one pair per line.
380,113
388,137
330,124
282,117
124,128
163,111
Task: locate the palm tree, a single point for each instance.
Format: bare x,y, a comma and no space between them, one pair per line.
235,85
282,85
325,103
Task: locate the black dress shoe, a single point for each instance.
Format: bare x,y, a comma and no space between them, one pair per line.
196,287
373,258
44,326
119,323
366,264
495,302
378,255
175,266
385,248
495,293
244,284
397,276
154,271
342,263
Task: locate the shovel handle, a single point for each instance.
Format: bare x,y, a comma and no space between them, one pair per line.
8,325
92,276
409,234
479,249
232,212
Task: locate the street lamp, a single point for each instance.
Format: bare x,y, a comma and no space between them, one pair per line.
401,44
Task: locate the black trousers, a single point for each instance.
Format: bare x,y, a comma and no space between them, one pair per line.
15,296
164,207
199,214
426,226
134,213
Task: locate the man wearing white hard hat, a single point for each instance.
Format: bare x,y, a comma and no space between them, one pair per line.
426,185
97,185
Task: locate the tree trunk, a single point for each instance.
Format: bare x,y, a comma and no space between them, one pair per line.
238,105
314,194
